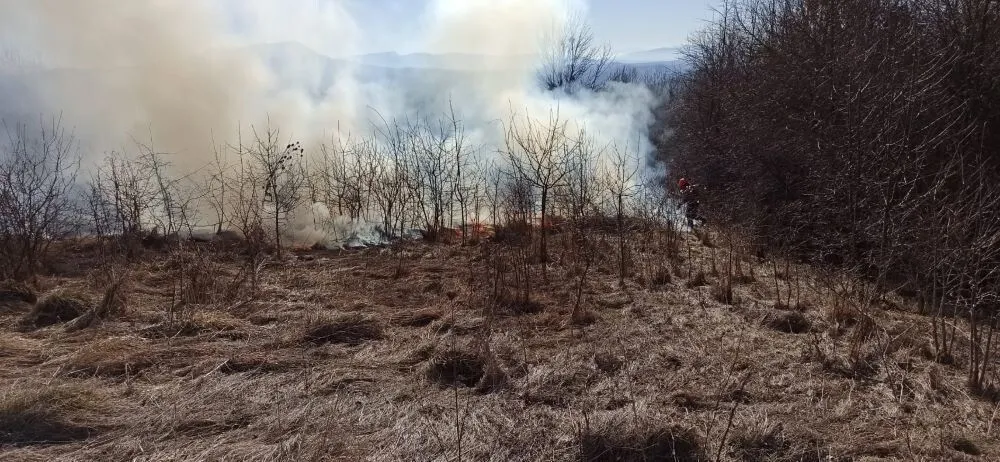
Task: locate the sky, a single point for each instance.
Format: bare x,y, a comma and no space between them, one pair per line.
628,25
637,25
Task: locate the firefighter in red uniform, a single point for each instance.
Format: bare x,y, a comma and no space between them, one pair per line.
689,200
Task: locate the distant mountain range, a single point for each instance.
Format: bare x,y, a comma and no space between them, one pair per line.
290,61
297,66
657,55
668,57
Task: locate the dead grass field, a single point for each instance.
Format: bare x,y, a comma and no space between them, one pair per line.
385,355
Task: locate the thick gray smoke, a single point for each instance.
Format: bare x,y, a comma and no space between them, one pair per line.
189,75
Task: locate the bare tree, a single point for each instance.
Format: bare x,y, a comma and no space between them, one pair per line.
619,177
573,61
539,152
216,187
432,172
277,167
123,199
37,176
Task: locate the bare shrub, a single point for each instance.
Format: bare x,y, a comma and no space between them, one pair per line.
277,167
37,175
574,62
722,292
899,203
539,153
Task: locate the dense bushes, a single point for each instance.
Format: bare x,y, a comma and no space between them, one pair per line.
860,133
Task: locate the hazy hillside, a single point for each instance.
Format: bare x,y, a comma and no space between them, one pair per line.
656,55
299,67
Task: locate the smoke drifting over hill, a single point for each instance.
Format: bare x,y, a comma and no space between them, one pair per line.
192,79
185,72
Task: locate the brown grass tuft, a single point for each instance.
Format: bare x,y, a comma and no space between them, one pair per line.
789,322
659,277
608,363
583,317
456,368
699,279
723,293
113,302
261,363
522,307
770,442
32,416
801,307
16,292
349,329
114,357
966,446
843,314
56,307
640,443
184,328
419,318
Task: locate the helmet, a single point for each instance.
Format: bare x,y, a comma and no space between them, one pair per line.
682,183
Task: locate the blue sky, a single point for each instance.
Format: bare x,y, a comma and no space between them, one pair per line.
633,25
629,25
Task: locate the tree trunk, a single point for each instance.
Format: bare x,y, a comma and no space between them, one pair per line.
543,251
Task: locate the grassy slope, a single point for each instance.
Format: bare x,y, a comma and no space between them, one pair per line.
343,357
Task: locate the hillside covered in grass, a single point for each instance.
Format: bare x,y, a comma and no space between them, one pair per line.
688,348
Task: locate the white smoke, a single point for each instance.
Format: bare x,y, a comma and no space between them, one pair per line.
184,75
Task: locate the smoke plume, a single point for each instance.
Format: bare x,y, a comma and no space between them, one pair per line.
190,75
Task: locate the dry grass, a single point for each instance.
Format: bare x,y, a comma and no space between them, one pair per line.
14,294
697,280
456,368
48,415
112,302
789,322
57,307
627,441
342,357
419,318
348,329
